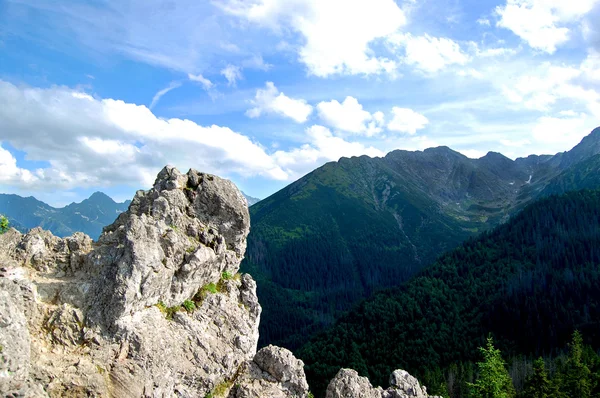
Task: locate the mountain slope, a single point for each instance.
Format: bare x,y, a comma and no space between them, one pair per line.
89,216
530,282
355,226
251,200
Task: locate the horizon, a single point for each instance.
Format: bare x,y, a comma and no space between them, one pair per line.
100,96
333,161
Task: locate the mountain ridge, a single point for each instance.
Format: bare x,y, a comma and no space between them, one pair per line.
361,224
88,216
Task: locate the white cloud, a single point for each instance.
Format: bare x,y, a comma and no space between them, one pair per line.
109,142
483,21
349,116
270,100
207,84
562,133
10,173
428,54
472,153
232,73
159,94
323,147
337,34
543,24
406,121
546,86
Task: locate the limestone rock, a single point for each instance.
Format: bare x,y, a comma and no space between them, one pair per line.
274,372
153,309
348,384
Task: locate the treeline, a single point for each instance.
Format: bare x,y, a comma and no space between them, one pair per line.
575,374
530,283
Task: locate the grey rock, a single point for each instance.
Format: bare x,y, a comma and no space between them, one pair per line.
274,372
348,384
79,318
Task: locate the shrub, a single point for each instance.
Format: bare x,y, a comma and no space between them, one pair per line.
189,305
3,224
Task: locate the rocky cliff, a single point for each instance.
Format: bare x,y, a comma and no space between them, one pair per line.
154,308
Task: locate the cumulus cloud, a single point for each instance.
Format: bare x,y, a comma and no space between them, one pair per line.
270,100
350,116
543,24
337,35
406,121
323,147
428,54
108,142
232,73
545,86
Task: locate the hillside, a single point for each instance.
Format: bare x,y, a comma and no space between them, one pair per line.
358,225
89,216
530,282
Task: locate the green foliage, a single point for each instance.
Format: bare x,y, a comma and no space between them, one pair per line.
538,385
226,275
211,288
189,305
493,380
168,311
577,378
530,282
3,224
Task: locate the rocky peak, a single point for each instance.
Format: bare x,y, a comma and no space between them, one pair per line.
348,384
154,308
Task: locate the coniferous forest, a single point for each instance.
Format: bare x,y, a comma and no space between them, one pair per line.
529,283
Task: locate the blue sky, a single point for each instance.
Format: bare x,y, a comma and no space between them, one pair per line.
101,94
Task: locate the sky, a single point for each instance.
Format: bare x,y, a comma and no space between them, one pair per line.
101,94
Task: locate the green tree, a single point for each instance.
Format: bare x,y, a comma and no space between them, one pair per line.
493,380
537,384
3,224
577,381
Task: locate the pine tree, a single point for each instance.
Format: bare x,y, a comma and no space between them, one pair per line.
577,379
537,384
493,380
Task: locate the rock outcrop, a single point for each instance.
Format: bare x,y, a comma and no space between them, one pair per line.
154,308
348,384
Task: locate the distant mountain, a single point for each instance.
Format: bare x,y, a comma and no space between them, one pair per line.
89,216
250,199
361,224
530,282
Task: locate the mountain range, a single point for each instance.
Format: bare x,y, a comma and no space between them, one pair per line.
354,226
89,216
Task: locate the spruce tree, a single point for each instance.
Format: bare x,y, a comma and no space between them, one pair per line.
537,384
493,380
577,381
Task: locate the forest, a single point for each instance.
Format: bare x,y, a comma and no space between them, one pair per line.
530,283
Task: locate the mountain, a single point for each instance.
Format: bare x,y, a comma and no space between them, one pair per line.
530,283
355,226
250,199
89,216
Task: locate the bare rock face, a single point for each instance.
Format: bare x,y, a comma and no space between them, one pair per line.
155,308
274,372
348,384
